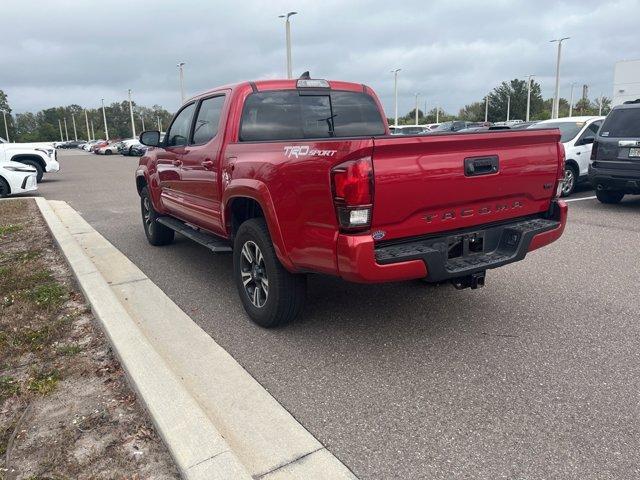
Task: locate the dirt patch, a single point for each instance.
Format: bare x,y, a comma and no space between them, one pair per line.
66,410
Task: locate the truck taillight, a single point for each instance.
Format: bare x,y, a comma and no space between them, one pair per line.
352,184
560,176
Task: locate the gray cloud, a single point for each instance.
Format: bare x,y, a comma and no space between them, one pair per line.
453,53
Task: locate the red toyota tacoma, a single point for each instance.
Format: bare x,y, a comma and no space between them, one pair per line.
302,176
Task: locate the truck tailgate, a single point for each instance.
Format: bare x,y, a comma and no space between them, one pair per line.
435,183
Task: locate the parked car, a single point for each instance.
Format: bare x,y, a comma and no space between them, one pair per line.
409,130
614,170
127,146
41,159
17,178
109,148
71,144
249,169
99,144
89,145
577,136
137,150
455,126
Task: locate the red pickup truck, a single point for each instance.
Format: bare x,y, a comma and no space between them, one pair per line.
302,176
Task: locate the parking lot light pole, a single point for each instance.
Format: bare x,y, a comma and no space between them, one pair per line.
6,128
395,94
573,84
60,125
417,95
159,124
181,75
486,109
86,119
599,107
556,96
93,133
437,114
75,132
133,124
508,106
104,117
142,121
66,132
287,26
529,78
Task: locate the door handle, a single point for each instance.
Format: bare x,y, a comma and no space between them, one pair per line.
578,153
177,163
208,164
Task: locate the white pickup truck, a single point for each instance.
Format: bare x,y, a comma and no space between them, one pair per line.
41,156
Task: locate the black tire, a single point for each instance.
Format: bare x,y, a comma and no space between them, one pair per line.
107,152
157,234
5,190
609,196
285,292
130,154
570,180
37,166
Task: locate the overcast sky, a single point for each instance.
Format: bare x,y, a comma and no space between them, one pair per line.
58,52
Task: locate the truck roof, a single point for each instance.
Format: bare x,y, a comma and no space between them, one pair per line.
281,84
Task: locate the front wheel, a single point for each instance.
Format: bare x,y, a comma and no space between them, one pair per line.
4,188
270,294
157,234
609,196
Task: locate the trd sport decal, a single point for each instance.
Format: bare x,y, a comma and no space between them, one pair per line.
298,151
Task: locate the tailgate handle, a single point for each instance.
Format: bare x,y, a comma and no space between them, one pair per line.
475,166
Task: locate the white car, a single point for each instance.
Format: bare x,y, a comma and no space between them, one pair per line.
17,178
577,136
43,159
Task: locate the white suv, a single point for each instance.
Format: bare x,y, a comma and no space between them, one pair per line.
43,157
577,136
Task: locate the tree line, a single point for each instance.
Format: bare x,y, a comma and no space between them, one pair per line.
47,124
513,92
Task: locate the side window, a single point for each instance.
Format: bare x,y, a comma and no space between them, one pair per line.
592,129
178,133
208,119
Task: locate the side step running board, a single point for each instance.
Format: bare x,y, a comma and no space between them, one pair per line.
212,242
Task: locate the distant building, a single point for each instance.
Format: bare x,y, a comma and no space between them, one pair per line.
626,81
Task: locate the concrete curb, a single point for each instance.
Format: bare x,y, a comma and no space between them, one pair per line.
262,435
197,447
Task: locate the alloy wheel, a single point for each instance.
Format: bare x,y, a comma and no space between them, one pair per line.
146,214
254,274
568,182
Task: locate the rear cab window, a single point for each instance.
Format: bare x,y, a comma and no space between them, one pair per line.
291,114
622,123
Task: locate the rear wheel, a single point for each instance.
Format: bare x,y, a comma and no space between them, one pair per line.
157,234
570,179
270,294
4,188
37,166
107,152
609,196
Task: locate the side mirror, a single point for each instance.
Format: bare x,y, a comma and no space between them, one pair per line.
587,140
150,138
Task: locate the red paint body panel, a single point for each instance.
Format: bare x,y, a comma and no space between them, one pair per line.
420,187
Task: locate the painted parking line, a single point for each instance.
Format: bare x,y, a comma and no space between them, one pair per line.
580,199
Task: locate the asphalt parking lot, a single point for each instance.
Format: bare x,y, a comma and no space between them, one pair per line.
535,376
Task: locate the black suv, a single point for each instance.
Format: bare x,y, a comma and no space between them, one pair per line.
615,158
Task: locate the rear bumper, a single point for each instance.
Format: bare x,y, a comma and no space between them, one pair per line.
359,260
627,181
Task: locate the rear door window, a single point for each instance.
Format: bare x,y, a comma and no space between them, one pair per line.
622,123
286,115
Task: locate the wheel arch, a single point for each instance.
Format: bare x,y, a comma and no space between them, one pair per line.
23,157
251,199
